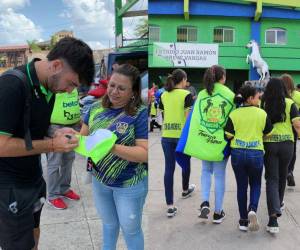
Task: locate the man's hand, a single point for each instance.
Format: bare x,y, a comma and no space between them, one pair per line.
63,131
64,143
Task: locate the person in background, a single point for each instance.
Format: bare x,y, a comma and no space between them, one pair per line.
120,179
246,127
175,103
153,115
298,87
295,96
279,146
192,90
66,113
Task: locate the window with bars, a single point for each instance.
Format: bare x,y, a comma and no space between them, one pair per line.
223,35
275,36
186,34
154,33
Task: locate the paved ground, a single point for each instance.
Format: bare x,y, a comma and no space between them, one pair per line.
78,227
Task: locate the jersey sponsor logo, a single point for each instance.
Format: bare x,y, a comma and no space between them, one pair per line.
214,111
172,126
70,116
70,104
121,127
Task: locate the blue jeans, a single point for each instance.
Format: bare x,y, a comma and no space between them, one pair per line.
169,146
218,169
121,207
247,165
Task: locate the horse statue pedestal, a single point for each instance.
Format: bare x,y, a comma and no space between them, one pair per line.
260,85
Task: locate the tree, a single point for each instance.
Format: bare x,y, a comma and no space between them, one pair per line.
33,46
142,27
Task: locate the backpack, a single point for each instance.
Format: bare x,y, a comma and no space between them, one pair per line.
27,107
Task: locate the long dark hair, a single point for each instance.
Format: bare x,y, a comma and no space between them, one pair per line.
244,93
134,75
211,76
273,100
176,77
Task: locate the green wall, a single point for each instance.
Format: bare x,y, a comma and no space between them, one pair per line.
280,58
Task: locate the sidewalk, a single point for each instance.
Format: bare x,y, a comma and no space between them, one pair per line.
79,228
186,232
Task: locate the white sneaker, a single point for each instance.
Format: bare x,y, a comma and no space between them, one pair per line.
253,222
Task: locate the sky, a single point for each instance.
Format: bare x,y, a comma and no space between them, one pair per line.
90,20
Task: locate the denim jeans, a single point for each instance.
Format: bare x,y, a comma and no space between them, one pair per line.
218,169
247,165
121,207
169,147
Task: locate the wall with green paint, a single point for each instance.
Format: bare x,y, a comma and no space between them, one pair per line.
231,55
280,58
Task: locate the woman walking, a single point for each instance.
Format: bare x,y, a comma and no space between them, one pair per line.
176,103
245,127
295,96
279,146
214,104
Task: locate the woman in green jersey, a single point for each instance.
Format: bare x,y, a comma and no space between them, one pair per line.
175,103
245,127
279,146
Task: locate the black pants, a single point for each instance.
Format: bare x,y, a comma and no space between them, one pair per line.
154,123
277,158
20,211
293,161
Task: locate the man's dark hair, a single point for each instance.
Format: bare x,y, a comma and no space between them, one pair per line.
78,55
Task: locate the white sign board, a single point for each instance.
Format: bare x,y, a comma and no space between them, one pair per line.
192,55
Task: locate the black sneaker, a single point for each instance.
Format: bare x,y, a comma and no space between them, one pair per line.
171,212
204,210
253,222
189,192
291,180
243,225
272,226
218,218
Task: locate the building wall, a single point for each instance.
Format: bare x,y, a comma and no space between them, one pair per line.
280,58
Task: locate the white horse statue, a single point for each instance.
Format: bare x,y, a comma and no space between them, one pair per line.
261,66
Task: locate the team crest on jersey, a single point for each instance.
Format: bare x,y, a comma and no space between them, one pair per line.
214,111
121,127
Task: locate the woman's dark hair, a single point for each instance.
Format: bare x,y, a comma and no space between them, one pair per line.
134,75
78,55
273,100
288,83
244,93
176,77
211,76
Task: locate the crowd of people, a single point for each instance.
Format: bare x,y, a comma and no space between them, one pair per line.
257,129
